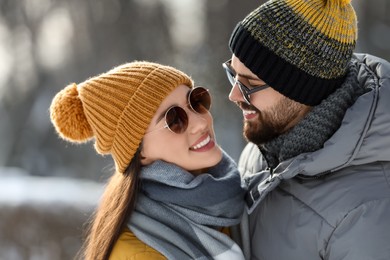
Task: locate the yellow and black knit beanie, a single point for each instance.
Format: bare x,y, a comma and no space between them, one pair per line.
301,48
115,108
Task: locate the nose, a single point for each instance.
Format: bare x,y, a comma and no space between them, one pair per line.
235,94
197,122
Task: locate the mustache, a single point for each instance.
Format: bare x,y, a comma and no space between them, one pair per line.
245,106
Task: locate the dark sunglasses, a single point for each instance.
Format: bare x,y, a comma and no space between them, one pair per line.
245,91
176,118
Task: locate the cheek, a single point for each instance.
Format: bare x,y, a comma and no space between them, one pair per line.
151,145
162,146
266,100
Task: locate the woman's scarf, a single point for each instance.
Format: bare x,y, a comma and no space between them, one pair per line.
180,214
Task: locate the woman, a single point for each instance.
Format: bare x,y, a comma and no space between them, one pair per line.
173,190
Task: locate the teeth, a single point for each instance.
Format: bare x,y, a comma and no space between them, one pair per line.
248,112
201,144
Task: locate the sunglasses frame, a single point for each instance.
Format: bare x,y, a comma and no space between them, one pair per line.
245,91
183,110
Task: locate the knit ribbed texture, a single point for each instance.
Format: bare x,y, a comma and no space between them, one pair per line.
300,48
115,108
318,126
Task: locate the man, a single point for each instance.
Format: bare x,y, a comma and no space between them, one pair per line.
317,120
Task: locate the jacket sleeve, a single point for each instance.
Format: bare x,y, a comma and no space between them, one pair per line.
364,233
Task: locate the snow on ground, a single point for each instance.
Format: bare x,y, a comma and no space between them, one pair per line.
43,217
16,188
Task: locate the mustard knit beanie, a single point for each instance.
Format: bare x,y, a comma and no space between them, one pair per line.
301,48
115,108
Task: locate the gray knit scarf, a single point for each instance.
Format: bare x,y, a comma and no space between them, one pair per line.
179,214
318,126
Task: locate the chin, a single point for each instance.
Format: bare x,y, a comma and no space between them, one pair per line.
200,162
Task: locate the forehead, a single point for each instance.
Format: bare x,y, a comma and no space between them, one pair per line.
179,93
177,97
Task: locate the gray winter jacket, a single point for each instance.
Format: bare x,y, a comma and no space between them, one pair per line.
333,203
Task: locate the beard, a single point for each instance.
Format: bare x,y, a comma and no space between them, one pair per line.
273,122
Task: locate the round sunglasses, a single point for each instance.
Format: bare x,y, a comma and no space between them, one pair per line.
176,118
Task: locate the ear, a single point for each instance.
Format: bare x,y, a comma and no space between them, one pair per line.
144,159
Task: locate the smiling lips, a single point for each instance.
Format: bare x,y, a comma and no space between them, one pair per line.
204,144
249,114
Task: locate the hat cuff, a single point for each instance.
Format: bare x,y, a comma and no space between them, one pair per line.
281,75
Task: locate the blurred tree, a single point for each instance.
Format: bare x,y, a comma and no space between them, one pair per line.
48,44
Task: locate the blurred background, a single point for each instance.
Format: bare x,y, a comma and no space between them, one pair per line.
48,187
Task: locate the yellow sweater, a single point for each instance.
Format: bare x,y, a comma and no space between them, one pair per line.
129,247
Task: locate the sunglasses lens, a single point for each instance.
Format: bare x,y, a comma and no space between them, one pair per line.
200,100
229,73
230,77
243,93
176,119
